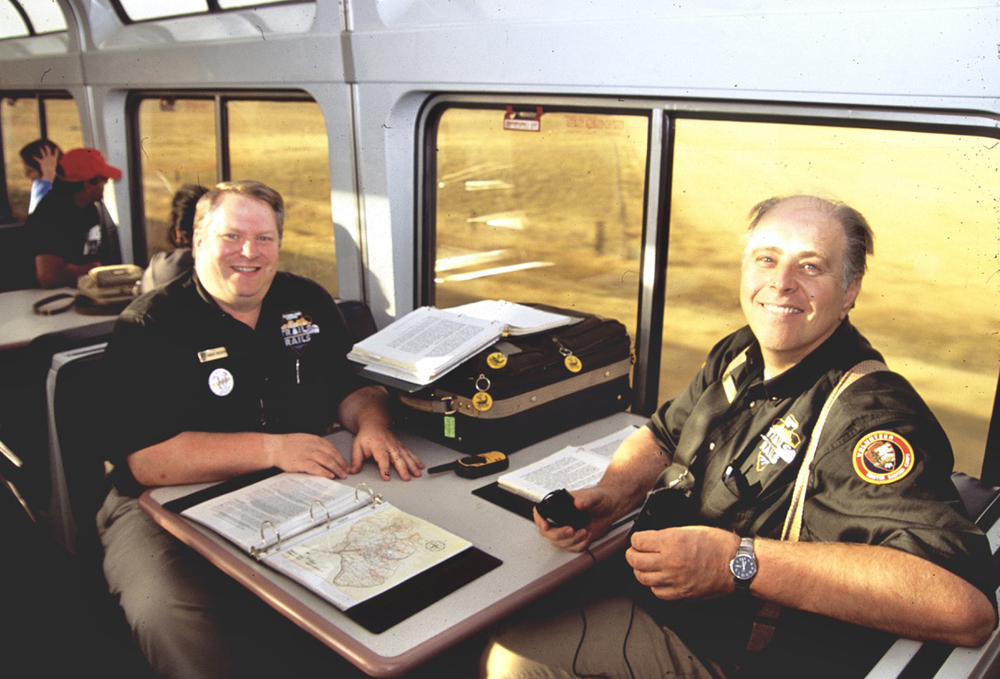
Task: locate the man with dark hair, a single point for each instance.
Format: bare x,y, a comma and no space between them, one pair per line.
41,163
230,369
71,229
733,582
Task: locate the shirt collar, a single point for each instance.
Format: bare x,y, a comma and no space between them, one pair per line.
841,350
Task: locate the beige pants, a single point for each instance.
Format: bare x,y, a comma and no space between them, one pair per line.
590,641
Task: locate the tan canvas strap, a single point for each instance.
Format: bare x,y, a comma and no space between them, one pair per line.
765,623
728,381
793,520
448,403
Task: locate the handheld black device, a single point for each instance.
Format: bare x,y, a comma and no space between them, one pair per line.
557,509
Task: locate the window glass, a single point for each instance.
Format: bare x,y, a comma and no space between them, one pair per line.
284,144
141,10
177,147
62,121
552,216
45,15
21,124
232,4
930,301
11,23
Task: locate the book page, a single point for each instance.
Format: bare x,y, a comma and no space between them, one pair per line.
425,343
519,319
279,506
366,553
572,468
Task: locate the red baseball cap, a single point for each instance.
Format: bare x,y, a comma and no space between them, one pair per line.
79,165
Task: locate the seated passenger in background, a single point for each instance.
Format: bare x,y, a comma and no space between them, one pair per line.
232,368
71,229
41,160
885,548
166,266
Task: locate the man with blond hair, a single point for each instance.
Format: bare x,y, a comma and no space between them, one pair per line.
233,368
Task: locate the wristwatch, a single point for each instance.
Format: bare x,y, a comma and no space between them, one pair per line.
744,565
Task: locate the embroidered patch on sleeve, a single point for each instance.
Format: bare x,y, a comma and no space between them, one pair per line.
883,457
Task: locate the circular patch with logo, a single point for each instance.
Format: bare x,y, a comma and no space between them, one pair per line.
496,360
220,382
883,457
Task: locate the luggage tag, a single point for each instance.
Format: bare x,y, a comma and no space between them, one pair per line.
571,362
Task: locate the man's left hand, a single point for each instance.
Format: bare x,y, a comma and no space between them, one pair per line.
381,444
690,562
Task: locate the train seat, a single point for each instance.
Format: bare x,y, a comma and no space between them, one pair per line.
908,658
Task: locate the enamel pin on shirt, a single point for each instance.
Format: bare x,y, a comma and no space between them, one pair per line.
297,331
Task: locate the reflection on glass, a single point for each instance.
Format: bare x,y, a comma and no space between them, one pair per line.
551,216
931,299
284,145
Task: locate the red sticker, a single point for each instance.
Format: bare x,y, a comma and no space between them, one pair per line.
883,457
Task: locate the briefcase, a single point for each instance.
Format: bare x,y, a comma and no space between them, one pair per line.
526,388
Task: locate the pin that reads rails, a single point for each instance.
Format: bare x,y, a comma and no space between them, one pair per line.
475,466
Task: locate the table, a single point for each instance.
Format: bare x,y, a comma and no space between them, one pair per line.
19,324
531,567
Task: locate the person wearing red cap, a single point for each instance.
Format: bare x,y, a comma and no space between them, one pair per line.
73,232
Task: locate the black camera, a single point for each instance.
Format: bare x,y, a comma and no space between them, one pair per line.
557,509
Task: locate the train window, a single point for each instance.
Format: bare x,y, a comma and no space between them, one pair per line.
178,144
545,209
146,10
24,118
930,301
284,144
19,19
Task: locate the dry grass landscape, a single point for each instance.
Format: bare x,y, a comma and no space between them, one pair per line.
570,200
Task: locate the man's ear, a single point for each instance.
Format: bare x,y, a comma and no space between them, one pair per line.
850,296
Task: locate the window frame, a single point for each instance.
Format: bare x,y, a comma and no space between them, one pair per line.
219,98
659,177
40,96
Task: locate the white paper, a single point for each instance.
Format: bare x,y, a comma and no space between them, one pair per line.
572,468
518,318
424,344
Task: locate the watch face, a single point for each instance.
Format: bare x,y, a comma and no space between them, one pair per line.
744,567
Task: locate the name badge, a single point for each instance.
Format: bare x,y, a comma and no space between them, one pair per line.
212,354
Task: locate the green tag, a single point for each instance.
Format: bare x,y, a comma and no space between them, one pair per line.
449,426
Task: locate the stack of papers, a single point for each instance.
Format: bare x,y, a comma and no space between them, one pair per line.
572,468
428,342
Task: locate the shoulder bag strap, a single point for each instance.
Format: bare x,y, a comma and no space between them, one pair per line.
766,620
793,520
45,306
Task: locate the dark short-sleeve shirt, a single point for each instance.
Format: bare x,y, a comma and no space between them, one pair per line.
178,363
76,234
882,468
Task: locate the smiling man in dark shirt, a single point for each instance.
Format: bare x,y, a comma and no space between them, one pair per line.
884,547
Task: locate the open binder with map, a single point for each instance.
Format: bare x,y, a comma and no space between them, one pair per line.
345,543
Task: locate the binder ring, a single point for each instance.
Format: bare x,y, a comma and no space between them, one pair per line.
375,497
258,551
312,505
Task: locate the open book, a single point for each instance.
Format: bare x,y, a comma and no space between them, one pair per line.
572,468
426,343
344,543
